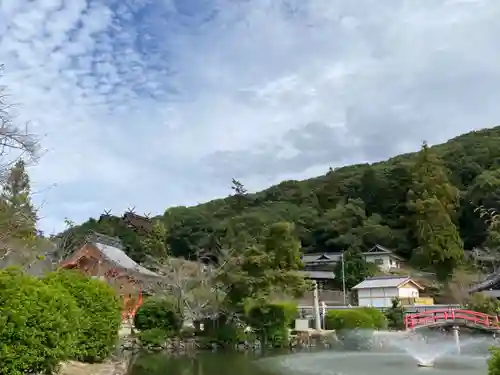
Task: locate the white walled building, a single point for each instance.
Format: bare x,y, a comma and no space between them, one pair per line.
380,291
384,258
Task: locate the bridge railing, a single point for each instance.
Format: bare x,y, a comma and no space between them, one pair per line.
436,316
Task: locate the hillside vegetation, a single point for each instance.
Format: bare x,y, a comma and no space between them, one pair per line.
423,205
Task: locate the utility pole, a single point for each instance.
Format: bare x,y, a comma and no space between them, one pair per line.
317,315
343,280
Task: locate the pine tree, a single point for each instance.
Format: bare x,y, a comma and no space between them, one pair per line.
18,215
433,200
240,197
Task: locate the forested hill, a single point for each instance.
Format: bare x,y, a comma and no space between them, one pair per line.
350,207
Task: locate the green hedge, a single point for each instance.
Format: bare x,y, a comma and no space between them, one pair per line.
100,317
158,313
494,362
378,317
38,324
355,318
223,331
271,321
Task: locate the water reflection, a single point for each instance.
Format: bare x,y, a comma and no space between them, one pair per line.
203,364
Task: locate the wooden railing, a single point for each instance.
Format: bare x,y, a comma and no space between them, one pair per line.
432,317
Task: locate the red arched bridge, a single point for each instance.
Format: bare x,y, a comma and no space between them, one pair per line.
437,318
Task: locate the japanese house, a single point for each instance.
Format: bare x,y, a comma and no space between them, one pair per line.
380,291
103,257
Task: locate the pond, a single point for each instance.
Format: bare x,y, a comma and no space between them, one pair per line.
312,363
400,357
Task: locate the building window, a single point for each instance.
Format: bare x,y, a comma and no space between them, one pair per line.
378,262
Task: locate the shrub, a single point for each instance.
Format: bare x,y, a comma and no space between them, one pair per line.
158,313
271,321
395,315
481,303
494,362
224,331
155,337
100,320
349,319
377,316
37,324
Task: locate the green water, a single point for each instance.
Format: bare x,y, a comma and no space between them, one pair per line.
203,364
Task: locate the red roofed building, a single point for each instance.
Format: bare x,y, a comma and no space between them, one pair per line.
103,257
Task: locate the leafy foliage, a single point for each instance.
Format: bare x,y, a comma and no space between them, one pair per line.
377,316
100,317
271,321
225,331
153,338
355,269
38,324
395,315
158,313
355,318
481,303
262,271
494,362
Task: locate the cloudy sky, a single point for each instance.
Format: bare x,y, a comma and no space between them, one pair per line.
154,103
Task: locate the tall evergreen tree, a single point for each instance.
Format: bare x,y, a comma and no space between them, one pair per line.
18,213
240,197
433,200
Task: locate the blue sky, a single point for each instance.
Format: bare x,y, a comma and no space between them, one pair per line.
155,103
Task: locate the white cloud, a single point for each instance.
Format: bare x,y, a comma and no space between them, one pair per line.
155,103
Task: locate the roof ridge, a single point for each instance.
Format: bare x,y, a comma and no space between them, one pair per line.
97,237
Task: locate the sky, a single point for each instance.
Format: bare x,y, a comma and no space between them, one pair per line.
157,103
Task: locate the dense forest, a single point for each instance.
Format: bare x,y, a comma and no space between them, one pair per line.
423,205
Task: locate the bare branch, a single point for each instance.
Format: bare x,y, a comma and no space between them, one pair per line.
192,285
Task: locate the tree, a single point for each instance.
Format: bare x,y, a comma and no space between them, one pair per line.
240,197
265,271
354,270
154,244
15,140
395,315
431,180
17,216
459,285
432,201
191,285
16,200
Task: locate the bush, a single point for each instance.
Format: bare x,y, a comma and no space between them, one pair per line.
481,303
100,320
224,331
155,337
377,316
349,319
158,313
271,321
37,324
395,315
494,362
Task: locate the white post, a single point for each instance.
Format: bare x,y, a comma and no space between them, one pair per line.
323,314
343,280
317,317
456,335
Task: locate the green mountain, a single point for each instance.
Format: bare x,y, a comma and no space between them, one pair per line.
353,206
